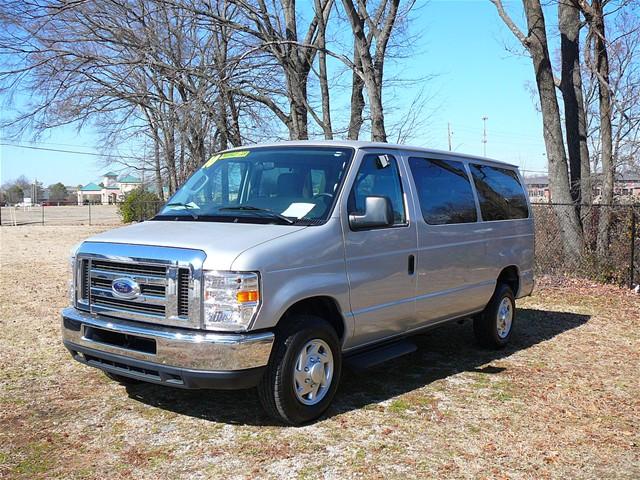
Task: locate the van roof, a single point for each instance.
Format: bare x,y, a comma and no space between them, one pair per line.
359,144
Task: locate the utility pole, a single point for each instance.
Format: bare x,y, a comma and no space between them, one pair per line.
449,134
484,134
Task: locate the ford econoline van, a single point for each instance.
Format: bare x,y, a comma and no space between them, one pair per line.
273,264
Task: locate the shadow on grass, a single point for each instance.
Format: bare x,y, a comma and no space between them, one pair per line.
442,352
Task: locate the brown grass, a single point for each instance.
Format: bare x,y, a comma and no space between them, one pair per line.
561,402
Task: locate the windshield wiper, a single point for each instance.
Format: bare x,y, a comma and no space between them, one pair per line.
187,207
251,208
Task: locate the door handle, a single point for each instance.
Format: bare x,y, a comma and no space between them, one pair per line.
411,267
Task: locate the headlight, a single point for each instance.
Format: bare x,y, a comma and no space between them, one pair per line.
231,300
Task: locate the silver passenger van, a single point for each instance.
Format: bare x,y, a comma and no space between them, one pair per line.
274,263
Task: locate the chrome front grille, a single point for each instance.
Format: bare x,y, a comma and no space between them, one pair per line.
183,292
130,268
167,289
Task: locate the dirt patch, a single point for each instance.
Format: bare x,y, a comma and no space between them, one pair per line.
561,402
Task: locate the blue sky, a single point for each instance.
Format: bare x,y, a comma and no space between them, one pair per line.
462,42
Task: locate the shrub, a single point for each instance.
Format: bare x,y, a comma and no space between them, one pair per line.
139,205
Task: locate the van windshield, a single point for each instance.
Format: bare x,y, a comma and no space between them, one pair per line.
282,185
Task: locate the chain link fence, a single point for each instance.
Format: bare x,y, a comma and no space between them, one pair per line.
60,213
621,262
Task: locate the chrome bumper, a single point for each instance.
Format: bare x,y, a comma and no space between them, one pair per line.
174,347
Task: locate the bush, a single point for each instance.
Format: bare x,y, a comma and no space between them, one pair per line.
139,205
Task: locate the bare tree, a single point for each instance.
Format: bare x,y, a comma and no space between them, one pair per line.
357,97
597,56
569,23
624,81
372,53
128,66
178,79
536,43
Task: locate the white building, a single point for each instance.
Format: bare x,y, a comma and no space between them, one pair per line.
110,190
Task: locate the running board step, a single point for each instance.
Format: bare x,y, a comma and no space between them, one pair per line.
376,356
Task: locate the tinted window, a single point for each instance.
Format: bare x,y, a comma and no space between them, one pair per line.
444,191
500,194
379,179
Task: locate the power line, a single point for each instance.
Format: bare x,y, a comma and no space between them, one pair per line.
38,142
75,152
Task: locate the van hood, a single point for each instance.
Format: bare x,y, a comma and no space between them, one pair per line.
221,242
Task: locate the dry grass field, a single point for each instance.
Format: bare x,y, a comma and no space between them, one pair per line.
563,401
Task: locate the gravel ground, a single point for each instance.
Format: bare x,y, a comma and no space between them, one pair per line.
563,401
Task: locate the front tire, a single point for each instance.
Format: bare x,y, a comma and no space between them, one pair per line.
494,326
304,371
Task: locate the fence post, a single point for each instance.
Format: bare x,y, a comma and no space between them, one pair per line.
42,214
633,247
89,212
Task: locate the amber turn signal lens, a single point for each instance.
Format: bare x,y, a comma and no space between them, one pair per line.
247,296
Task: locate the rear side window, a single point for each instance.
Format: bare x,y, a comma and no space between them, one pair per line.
500,193
444,191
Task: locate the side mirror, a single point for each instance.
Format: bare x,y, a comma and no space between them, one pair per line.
377,213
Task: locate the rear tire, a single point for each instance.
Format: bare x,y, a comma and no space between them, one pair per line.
494,326
304,371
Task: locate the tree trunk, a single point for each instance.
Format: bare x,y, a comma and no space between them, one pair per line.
297,86
156,159
559,185
606,137
323,76
372,70
297,72
234,128
170,158
574,111
357,98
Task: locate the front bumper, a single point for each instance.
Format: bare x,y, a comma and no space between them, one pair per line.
166,355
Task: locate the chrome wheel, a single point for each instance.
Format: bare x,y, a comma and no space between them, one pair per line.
313,372
505,317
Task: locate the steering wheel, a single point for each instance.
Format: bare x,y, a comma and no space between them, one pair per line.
328,195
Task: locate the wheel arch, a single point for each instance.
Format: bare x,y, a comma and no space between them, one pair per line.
323,306
510,275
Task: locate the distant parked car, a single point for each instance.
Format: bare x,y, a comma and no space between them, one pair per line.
274,262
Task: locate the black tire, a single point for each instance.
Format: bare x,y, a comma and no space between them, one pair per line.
122,380
276,389
485,325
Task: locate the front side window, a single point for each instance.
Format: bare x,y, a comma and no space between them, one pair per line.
378,177
500,193
444,191
263,185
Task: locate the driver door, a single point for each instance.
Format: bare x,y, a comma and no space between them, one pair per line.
380,261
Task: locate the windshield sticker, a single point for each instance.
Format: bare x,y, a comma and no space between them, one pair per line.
240,154
211,161
298,210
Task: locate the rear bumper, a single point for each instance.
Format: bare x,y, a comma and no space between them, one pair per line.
173,356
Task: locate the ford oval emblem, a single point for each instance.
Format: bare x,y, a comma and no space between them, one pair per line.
125,288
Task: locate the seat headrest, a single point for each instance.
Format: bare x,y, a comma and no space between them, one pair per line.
289,185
